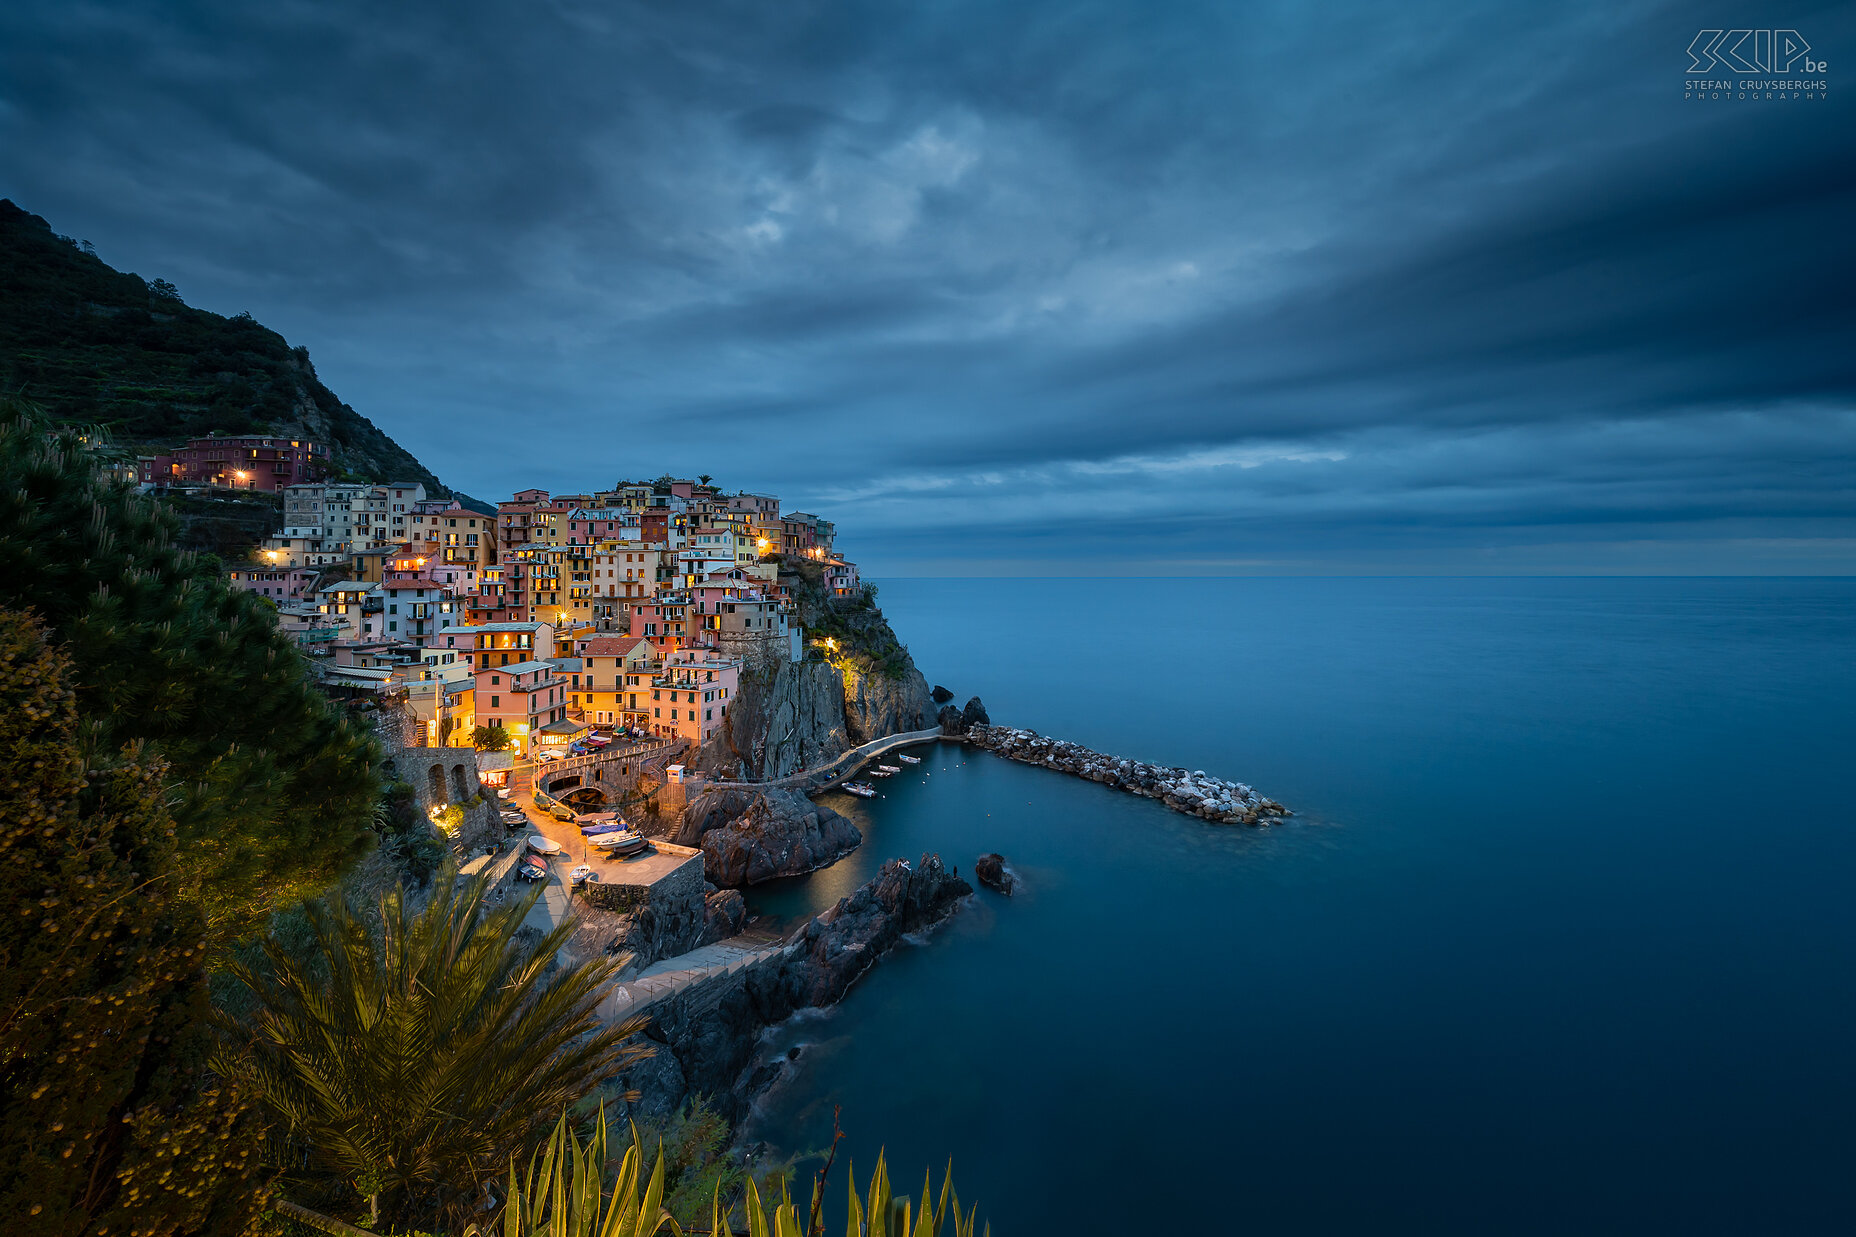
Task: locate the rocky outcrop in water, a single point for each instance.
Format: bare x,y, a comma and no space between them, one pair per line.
958,721
710,1032
845,941
993,872
748,836
1184,790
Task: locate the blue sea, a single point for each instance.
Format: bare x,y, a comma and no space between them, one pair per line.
1561,940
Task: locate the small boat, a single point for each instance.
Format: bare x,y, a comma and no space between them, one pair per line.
877,773
594,831
532,872
626,843
543,845
908,760
583,874
859,789
889,768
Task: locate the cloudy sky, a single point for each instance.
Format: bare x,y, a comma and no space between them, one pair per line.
1066,288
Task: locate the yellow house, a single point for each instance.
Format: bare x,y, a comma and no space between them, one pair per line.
611,672
445,710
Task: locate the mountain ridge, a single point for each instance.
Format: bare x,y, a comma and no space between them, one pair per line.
106,348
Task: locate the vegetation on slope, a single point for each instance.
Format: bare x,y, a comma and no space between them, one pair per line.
108,1119
861,637
100,347
272,787
172,777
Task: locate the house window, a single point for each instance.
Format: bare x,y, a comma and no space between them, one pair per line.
496,702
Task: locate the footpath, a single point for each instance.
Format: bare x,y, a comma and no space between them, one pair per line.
825,776
663,980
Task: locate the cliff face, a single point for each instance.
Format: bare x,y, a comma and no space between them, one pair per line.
879,705
788,717
785,717
749,836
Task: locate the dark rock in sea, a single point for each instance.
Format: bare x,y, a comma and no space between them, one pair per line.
974,714
713,1029
845,941
949,718
993,873
940,694
749,836
724,912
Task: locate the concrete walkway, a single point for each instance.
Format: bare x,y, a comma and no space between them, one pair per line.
663,980
825,776
556,902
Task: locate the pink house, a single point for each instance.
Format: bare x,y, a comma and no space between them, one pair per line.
277,583
691,696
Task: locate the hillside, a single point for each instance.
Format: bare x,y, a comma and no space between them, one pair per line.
98,346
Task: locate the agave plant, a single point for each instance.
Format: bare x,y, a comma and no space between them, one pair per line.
877,1214
563,1193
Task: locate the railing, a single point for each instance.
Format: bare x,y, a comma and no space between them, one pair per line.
569,763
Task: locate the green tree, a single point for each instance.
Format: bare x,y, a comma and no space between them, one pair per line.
109,1121
408,1062
272,788
491,738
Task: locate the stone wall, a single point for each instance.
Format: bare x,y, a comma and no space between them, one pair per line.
441,776
666,916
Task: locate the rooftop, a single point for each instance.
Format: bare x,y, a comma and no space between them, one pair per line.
521,667
461,630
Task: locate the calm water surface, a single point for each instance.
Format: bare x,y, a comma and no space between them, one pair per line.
1561,940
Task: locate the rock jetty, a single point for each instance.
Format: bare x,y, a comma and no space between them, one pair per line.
1184,790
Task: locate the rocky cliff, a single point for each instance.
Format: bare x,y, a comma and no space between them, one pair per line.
706,1038
786,716
876,705
748,836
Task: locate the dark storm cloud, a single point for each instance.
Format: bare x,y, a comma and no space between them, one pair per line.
1029,287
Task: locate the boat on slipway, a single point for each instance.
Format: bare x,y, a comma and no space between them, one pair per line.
859,789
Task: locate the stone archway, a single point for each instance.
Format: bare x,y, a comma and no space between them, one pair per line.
435,777
459,786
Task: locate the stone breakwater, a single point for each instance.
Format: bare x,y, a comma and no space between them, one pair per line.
1184,790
